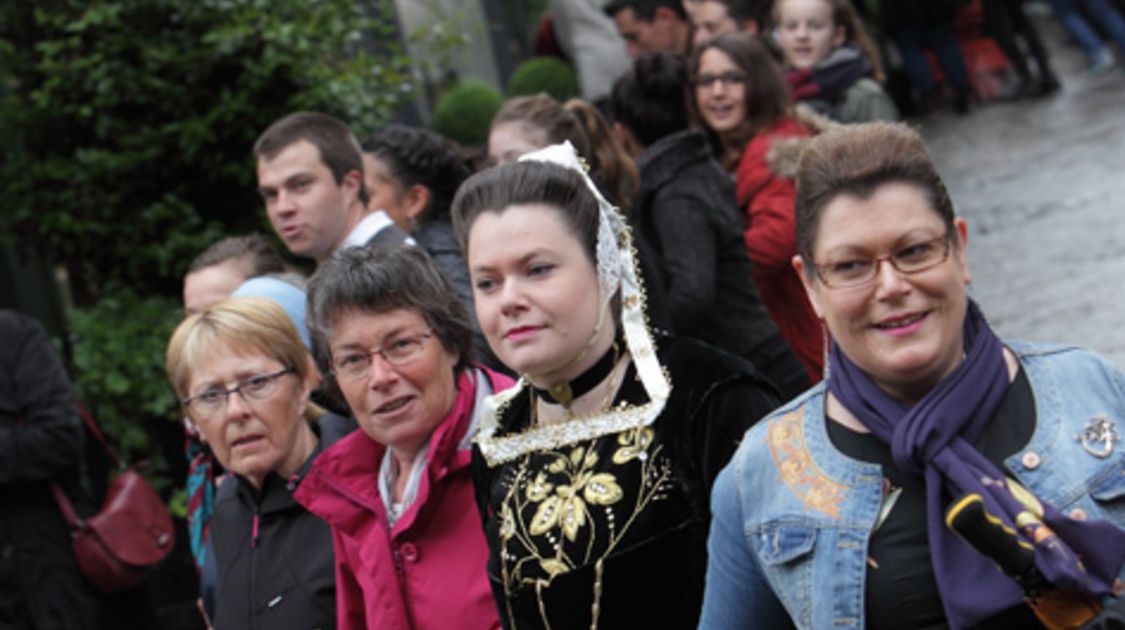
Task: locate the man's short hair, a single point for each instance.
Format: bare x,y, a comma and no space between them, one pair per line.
745,10
338,147
645,10
254,251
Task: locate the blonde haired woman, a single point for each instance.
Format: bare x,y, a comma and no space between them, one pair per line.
244,379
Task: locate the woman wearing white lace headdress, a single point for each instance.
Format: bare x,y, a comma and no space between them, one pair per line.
593,472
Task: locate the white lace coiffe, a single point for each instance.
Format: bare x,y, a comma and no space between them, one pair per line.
617,270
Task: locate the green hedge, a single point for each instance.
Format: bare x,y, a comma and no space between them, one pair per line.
465,112
544,74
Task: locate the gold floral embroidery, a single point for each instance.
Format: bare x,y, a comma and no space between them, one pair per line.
633,443
791,456
579,509
567,507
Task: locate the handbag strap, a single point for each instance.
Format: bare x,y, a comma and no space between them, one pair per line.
65,506
92,425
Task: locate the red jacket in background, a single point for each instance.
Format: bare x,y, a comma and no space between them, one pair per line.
429,570
768,201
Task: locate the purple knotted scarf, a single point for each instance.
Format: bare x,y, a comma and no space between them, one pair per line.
934,438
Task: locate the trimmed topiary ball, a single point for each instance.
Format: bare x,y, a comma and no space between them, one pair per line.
465,112
544,74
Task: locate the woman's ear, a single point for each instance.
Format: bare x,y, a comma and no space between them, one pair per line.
840,37
416,199
962,229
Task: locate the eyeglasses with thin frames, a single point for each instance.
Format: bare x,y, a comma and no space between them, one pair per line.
913,258
212,402
356,364
728,78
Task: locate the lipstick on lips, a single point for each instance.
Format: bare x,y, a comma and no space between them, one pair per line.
521,333
902,324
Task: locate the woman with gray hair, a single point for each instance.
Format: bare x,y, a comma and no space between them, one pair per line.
388,328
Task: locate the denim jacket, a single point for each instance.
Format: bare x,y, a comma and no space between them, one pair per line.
793,515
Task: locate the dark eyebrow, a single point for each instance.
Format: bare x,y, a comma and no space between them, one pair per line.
397,331
523,260
295,178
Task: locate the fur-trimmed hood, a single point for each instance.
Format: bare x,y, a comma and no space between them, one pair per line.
785,153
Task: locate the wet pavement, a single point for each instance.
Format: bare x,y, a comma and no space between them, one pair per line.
1042,186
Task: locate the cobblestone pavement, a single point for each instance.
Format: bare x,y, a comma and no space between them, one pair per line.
1042,186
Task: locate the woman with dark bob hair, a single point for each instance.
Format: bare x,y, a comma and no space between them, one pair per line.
863,501
398,495
593,472
743,103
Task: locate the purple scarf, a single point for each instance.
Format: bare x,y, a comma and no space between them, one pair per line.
934,438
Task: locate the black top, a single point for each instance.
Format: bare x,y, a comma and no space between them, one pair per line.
901,591
274,558
617,524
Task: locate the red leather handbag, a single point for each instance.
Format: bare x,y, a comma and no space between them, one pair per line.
132,532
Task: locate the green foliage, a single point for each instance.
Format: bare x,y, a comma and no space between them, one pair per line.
128,123
465,112
544,74
118,360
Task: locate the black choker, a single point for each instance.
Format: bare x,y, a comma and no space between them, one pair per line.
565,392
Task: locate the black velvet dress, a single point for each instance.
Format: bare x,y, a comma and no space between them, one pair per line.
609,529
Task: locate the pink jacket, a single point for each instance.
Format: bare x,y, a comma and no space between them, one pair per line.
429,571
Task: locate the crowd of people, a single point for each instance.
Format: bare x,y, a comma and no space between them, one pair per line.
694,351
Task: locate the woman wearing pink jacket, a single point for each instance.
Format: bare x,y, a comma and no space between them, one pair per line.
398,495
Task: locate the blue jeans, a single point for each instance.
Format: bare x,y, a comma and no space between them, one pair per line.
1067,13
910,39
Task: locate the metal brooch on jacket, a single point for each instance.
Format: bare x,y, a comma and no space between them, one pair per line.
1099,436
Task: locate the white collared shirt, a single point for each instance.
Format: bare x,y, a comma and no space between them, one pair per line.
367,228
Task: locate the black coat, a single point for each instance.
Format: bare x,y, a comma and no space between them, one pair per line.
284,577
640,556
687,215
41,439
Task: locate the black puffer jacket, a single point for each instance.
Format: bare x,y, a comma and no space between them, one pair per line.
41,439
275,560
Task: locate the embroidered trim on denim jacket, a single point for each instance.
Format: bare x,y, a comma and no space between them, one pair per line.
795,465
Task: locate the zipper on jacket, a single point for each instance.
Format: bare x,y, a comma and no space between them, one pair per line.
254,530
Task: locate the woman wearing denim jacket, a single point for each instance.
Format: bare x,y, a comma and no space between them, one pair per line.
833,511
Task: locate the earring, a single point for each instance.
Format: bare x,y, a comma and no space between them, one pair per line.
826,343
